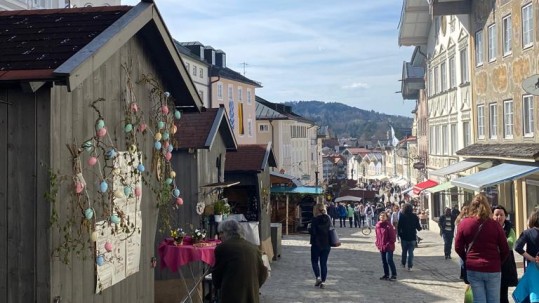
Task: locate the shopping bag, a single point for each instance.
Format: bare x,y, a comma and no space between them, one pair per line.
334,238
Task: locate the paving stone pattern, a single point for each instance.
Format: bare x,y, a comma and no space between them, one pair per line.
354,270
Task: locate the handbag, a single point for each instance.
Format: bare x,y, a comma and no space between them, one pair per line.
463,272
334,238
509,271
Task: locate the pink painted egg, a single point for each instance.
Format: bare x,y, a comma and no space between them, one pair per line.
79,187
108,246
92,161
168,156
138,191
164,109
142,127
134,107
179,201
102,132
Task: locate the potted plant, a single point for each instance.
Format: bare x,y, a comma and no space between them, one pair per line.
178,235
220,209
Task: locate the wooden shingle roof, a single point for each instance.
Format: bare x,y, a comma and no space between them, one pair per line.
526,151
250,158
198,130
35,42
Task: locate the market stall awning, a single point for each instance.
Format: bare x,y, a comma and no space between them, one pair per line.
407,190
495,175
348,198
419,187
457,167
440,187
312,190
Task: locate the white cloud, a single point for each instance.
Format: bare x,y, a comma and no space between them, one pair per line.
356,85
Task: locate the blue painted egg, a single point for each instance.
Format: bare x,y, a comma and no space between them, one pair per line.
157,145
170,148
141,168
168,181
111,154
115,219
177,115
88,146
99,124
128,128
127,190
176,193
161,124
103,187
99,260
89,213
166,135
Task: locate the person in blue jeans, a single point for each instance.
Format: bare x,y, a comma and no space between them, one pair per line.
342,214
385,242
320,246
408,227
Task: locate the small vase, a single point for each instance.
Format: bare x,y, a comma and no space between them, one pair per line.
218,218
178,241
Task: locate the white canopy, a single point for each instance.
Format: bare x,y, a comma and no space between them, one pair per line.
348,198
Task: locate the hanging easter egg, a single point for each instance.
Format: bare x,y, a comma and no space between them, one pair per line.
173,129
138,191
92,161
115,219
166,135
89,213
176,193
142,127
164,109
102,132
108,246
93,237
128,127
88,146
134,107
168,156
168,181
141,168
99,124
179,201
157,136
99,260
103,186
157,145
127,191
177,114
118,194
172,174
161,124
166,144
170,148
111,154
116,171
167,94
79,187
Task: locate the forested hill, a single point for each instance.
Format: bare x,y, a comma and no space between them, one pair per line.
344,120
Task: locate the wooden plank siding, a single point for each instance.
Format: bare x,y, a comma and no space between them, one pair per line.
4,185
73,121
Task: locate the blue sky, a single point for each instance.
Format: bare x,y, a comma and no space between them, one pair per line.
332,51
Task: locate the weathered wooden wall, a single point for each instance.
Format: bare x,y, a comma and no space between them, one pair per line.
24,164
73,121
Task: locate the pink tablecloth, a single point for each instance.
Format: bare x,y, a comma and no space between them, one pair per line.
172,256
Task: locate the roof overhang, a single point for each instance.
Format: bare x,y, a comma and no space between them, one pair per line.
450,7
415,23
457,167
502,173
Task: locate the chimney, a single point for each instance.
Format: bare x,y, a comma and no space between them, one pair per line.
220,58
209,55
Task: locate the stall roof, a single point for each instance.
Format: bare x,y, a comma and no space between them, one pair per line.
313,190
495,175
457,167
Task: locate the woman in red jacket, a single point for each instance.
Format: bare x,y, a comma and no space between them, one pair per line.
385,242
481,243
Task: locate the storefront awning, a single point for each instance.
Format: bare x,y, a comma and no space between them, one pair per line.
419,187
440,187
495,175
312,190
456,167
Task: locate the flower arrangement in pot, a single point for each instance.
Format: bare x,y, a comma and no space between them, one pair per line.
198,235
178,235
220,209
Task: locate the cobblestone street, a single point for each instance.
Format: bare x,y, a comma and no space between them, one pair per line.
354,270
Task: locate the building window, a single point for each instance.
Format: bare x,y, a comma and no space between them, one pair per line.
507,35
464,66
220,91
445,140
240,94
230,94
201,94
240,119
492,52
263,128
480,121
439,149
431,83
527,26
194,70
508,119
436,81
493,120
187,67
467,133
527,115
443,77
479,48
431,143
250,127
248,96
201,72
452,73
454,139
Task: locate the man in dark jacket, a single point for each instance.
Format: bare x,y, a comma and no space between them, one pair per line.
447,230
238,271
407,230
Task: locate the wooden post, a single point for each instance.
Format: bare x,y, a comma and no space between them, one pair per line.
286,218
